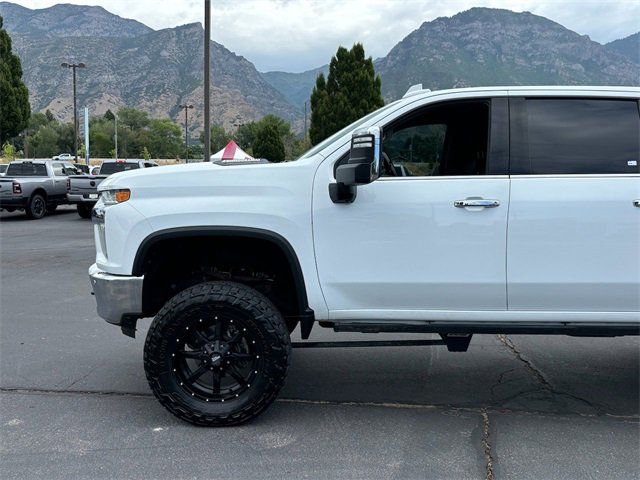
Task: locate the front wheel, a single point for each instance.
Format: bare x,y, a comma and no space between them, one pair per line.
217,354
84,210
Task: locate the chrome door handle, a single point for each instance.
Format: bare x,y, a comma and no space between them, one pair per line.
636,203
476,202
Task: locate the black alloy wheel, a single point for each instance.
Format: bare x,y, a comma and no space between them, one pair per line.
37,207
217,354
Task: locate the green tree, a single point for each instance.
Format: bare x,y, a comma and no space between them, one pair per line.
14,96
8,151
351,90
44,143
268,143
165,139
218,138
134,118
145,154
108,115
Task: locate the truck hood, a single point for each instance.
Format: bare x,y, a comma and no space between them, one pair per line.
207,174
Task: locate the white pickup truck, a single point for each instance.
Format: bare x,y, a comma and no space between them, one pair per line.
482,210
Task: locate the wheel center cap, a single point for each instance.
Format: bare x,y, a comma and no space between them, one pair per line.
216,359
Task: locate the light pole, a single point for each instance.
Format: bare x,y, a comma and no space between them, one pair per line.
73,67
186,107
207,80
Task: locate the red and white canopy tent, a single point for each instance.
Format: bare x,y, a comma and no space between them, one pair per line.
232,153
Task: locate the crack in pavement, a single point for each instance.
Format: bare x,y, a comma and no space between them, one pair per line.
542,380
486,445
302,401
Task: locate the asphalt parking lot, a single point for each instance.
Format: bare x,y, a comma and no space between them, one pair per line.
74,402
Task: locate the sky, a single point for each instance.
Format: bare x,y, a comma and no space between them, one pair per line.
297,35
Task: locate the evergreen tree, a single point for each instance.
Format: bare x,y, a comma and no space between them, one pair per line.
14,96
350,91
268,143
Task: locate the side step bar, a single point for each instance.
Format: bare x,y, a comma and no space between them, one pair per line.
454,343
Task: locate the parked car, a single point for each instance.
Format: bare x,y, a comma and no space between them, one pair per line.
83,190
520,215
66,157
82,168
3,169
37,187
95,170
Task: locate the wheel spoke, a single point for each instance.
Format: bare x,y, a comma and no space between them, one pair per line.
236,336
196,374
202,337
190,354
240,356
216,383
218,330
236,376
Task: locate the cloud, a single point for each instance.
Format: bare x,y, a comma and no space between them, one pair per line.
296,35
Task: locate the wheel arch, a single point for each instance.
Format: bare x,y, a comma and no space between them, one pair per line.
304,312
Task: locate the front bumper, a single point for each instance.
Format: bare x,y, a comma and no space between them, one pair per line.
81,198
119,297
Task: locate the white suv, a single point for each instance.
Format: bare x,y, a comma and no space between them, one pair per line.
483,210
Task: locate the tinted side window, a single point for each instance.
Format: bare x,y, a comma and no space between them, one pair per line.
441,140
581,136
57,170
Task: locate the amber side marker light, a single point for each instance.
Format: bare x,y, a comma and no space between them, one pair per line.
122,195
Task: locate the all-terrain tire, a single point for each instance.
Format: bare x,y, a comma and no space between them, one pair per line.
265,329
36,208
84,210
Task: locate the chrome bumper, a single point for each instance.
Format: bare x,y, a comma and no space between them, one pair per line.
117,296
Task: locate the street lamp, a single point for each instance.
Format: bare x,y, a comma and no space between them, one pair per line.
186,132
73,66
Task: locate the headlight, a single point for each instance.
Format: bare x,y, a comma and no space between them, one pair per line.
112,197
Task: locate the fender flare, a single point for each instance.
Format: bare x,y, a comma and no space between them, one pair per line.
306,315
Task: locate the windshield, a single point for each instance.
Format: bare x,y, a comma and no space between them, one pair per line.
27,169
345,130
115,167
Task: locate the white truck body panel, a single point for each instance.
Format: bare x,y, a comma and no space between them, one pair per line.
402,251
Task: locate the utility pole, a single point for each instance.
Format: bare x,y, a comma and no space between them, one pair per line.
207,80
186,131
73,67
115,117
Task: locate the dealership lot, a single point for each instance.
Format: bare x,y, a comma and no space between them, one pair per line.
74,402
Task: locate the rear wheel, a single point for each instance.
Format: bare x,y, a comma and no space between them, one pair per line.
217,354
36,208
84,210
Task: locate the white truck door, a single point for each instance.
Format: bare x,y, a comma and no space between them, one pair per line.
574,232
432,237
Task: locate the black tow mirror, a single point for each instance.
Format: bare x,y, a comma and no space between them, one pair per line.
363,166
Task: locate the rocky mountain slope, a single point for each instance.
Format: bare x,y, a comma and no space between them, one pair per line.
485,46
296,87
68,21
628,47
153,70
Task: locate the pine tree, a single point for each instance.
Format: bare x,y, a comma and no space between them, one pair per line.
14,96
350,91
268,143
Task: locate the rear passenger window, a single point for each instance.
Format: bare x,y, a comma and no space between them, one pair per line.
581,136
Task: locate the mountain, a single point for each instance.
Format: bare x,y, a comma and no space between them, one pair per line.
153,70
485,46
295,87
628,47
68,21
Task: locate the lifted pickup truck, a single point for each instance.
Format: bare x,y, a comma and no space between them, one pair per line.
515,210
83,190
37,187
